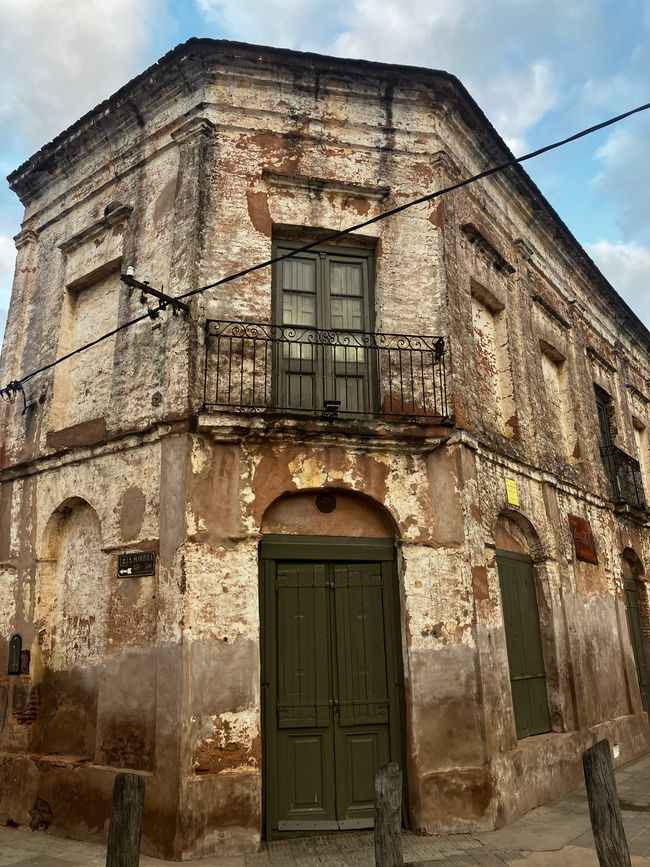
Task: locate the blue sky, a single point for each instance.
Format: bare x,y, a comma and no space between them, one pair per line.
540,69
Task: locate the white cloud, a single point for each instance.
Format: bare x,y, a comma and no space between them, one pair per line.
59,58
624,175
514,87
515,101
7,262
627,267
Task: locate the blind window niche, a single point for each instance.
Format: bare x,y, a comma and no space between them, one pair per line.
558,397
493,365
82,384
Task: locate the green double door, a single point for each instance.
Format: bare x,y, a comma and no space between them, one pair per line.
524,644
332,683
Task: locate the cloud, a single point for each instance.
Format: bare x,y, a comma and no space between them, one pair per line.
624,176
7,262
59,58
515,91
627,267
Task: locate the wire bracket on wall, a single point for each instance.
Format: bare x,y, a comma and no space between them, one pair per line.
146,290
9,392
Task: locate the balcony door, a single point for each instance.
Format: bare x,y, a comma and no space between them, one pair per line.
323,305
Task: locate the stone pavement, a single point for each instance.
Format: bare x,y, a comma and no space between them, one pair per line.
555,835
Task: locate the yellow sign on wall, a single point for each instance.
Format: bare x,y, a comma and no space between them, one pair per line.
511,492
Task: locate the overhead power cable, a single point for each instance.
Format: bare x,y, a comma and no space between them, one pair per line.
16,386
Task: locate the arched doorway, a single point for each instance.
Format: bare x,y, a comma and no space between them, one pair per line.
332,674
522,627
635,603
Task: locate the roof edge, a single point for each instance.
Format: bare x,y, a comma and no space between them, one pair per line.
230,47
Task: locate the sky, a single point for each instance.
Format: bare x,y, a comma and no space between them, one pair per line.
540,70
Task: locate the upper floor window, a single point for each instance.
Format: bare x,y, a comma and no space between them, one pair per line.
318,352
623,471
322,301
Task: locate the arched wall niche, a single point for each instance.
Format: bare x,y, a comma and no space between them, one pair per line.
329,512
632,565
514,532
71,610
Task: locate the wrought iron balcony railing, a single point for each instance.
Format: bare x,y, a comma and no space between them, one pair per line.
625,475
257,367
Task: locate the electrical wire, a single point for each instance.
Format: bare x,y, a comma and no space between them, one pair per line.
410,204
16,385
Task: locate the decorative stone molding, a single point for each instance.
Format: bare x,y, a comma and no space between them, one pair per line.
486,249
26,237
550,310
524,249
113,218
598,359
193,127
442,161
634,392
325,185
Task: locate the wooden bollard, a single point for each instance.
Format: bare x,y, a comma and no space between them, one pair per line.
126,821
604,807
388,816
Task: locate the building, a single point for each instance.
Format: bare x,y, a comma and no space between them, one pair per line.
391,489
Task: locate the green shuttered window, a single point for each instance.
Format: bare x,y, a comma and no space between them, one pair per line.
524,643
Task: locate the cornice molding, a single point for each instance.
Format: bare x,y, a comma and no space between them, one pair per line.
25,238
329,185
118,215
486,249
192,128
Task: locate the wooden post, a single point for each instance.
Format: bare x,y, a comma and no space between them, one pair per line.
388,816
126,821
604,807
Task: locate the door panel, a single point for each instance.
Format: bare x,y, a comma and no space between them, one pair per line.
306,781
524,644
360,645
360,679
334,686
303,638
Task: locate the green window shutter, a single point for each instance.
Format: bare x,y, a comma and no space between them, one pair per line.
636,637
360,644
524,645
303,677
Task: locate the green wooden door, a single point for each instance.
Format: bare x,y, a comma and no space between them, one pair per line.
524,643
332,691
637,639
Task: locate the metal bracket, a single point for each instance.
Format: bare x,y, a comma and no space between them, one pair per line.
164,299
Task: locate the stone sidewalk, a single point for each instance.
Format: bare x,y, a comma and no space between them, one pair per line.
555,835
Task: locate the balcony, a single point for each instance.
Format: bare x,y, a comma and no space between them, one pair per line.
625,475
255,367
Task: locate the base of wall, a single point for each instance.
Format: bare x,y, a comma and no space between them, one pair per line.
70,799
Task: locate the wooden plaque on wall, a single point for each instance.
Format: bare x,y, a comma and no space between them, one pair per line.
583,539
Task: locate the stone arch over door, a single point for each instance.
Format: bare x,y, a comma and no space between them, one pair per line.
527,621
329,512
71,608
638,619
332,671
